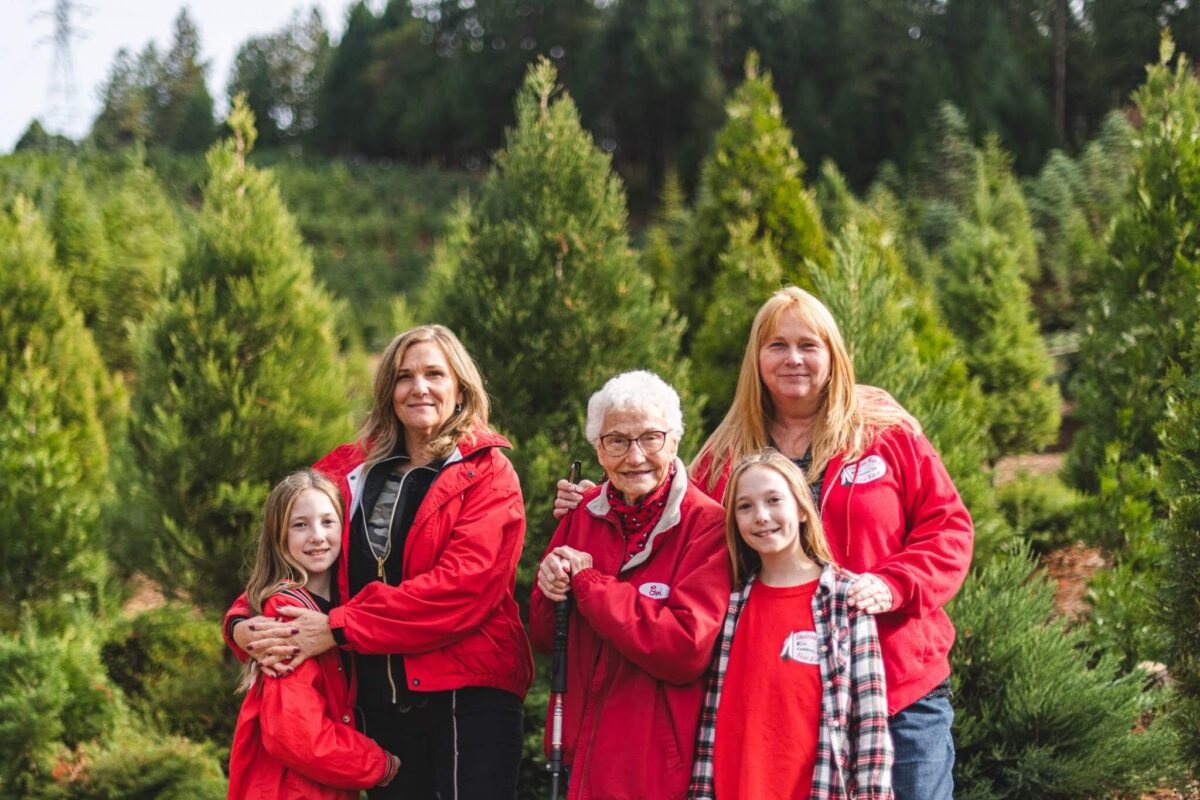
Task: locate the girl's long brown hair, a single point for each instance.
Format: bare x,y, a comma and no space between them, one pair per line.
850,416
745,560
382,431
274,568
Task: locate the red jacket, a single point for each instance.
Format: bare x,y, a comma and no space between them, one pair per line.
895,513
295,736
453,616
639,641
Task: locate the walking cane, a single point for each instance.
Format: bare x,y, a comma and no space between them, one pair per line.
558,677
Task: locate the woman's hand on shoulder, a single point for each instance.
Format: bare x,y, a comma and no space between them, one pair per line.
570,495
870,594
311,634
268,640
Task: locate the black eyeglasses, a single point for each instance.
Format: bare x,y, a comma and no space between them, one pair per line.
616,445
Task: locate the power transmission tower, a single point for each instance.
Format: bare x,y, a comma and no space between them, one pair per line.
62,108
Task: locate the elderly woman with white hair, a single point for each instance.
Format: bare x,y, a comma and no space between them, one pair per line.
643,558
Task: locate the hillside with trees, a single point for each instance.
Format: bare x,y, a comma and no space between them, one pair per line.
998,202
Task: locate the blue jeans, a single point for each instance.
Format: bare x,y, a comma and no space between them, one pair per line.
924,764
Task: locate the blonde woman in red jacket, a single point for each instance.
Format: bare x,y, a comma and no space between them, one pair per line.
424,608
890,511
644,561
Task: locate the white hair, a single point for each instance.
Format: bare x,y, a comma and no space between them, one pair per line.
634,391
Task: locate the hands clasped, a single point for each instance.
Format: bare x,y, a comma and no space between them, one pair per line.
554,574
280,644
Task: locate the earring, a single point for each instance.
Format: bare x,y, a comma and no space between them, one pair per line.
458,408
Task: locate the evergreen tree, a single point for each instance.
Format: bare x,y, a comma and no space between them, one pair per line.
750,269
55,404
81,245
751,184
145,245
753,172
281,75
985,300
887,324
666,236
126,100
1179,593
1032,717
183,115
538,279
1072,205
654,85
240,379
1144,313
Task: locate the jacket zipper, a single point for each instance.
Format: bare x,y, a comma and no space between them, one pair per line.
382,574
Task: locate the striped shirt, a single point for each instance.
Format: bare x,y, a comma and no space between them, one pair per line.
854,749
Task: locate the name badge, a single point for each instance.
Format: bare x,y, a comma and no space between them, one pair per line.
871,468
655,591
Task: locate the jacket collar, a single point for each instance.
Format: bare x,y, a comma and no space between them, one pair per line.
671,516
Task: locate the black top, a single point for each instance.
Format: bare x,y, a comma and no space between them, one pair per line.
379,529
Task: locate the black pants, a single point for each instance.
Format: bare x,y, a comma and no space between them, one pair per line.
458,745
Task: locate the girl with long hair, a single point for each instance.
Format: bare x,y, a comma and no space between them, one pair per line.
295,735
795,704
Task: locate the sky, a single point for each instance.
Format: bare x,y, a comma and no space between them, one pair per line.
105,26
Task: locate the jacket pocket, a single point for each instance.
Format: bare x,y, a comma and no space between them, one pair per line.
665,733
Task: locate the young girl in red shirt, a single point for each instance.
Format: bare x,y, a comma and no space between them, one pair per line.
795,705
295,735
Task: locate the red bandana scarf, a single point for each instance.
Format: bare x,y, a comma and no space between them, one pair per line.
638,520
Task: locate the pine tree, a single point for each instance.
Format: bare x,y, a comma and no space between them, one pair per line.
1179,595
56,408
538,279
1072,204
240,379
666,236
1032,717
751,184
1144,313
752,172
985,300
145,245
182,117
81,245
750,270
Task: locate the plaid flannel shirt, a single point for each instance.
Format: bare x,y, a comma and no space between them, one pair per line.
854,749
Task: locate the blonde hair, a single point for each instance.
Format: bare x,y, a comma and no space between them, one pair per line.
850,416
382,431
745,560
274,568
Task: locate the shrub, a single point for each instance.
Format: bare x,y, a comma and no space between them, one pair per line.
174,670
1179,593
140,764
1041,509
53,697
1033,717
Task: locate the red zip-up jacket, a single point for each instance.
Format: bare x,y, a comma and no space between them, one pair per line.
453,616
640,638
895,513
295,735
